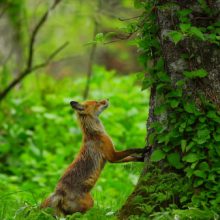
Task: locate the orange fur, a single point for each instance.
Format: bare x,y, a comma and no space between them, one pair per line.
72,193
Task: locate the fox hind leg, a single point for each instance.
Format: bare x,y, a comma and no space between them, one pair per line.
86,203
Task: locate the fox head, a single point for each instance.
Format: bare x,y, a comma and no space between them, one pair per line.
92,107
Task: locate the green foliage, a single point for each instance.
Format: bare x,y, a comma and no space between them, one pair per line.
40,136
200,73
187,137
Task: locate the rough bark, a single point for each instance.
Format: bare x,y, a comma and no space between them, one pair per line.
206,56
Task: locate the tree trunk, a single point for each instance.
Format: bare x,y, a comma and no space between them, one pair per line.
160,185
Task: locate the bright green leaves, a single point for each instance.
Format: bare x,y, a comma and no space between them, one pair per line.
176,36
147,82
202,136
191,157
194,31
174,160
200,73
174,103
157,155
190,107
212,115
186,30
185,27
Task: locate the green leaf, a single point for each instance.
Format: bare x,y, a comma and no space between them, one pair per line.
160,109
147,82
204,166
174,160
185,27
216,137
99,37
191,157
157,155
183,145
198,182
200,173
200,73
174,103
176,36
203,133
190,107
197,32
214,116
184,12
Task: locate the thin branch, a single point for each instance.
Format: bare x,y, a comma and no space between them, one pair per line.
35,32
58,50
127,19
120,38
29,66
30,70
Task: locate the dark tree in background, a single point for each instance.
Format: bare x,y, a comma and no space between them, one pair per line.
180,50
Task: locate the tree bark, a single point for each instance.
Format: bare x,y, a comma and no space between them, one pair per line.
203,55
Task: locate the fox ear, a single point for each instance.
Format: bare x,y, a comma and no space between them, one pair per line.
76,105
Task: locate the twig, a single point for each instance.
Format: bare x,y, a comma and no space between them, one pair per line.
38,66
120,38
30,70
126,19
29,66
35,32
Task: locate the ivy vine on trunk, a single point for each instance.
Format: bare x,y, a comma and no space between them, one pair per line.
179,44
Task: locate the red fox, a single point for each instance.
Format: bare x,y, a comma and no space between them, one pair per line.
72,193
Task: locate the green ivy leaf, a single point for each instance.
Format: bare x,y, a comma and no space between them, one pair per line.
204,166
191,157
174,160
185,27
157,155
214,116
190,107
200,173
176,36
184,12
197,32
200,73
198,182
174,103
216,137
147,82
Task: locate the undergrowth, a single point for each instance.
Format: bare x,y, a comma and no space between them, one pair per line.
40,136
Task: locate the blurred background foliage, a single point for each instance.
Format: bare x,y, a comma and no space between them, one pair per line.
39,133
